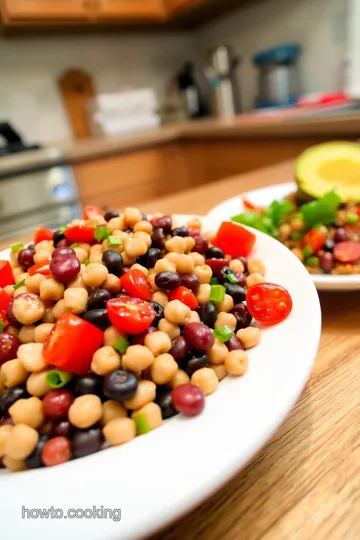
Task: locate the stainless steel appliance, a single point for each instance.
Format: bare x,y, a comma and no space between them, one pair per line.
221,74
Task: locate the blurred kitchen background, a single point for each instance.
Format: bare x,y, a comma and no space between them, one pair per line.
115,102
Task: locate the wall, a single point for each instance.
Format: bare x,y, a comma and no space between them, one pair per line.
317,25
29,68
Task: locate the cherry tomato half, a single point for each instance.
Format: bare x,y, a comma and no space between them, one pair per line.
40,268
91,211
268,303
137,284
234,239
347,252
185,296
130,315
42,233
6,275
315,239
80,233
5,300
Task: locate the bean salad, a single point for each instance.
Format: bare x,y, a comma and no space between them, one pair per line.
115,322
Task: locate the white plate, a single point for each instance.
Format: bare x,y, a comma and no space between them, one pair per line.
158,477
264,197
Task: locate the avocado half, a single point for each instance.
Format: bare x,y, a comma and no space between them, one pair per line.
333,165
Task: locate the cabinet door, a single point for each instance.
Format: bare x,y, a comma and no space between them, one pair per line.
175,6
131,9
39,10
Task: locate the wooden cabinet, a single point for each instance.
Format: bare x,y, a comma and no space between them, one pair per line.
43,10
178,6
130,9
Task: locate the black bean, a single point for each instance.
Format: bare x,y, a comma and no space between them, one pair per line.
113,261
223,273
10,396
237,293
163,399
34,460
191,281
89,383
159,310
61,428
180,231
327,262
196,361
167,280
329,245
242,316
152,256
86,442
158,239
208,313
201,245
110,214
98,299
57,236
120,385
341,235
179,348
214,253
98,317
163,222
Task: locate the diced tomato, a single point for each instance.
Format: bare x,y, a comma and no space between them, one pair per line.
234,239
251,206
268,303
40,268
347,252
42,233
72,344
6,275
92,211
185,296
137,284
315,239
5,300
80,233
217,264
130,315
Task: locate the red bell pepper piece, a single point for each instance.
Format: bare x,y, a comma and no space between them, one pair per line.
315,239
6,275
72,344
91,211
217,264
42,233
185,296
234,239
40,268
80,233
5,300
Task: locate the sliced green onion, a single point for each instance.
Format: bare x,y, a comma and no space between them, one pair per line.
217,293
87,261
56,378
73,246
114,241
121,345
296,235
142,424
101,233
352,218
214,281
63,228
231,277
307,251
223,334
313,262
1,324
20,284
16,247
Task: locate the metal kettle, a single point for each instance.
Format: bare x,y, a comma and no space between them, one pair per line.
220,71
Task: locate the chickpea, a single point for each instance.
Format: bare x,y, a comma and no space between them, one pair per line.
143,226
76,300
206,379
164,265
249,337
105,360
50,289
226,305
76,283
171,329
220,371
253,279
151,278
112,284
85,246
203,293
144,236
94,274
127,260
81,254
161,298
132,216
116,223
190,243
256,266
142,269
177,312
20,290
158,342
210,235
112,409
14,465
85,411
284,231
163,369
13,373
218,353
30,355
58,309
4,435
37,384
137,358
226,319
21,276
27,333
21,441
13,330
152,413
204,273
111,336
95,258
9,289
16,271
134,247
28,309
177,244
119,431
172,257
180,377
185,264
27,411
145,393
41,256
44,245
297,224
237,362
237,266
195,223
42,332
